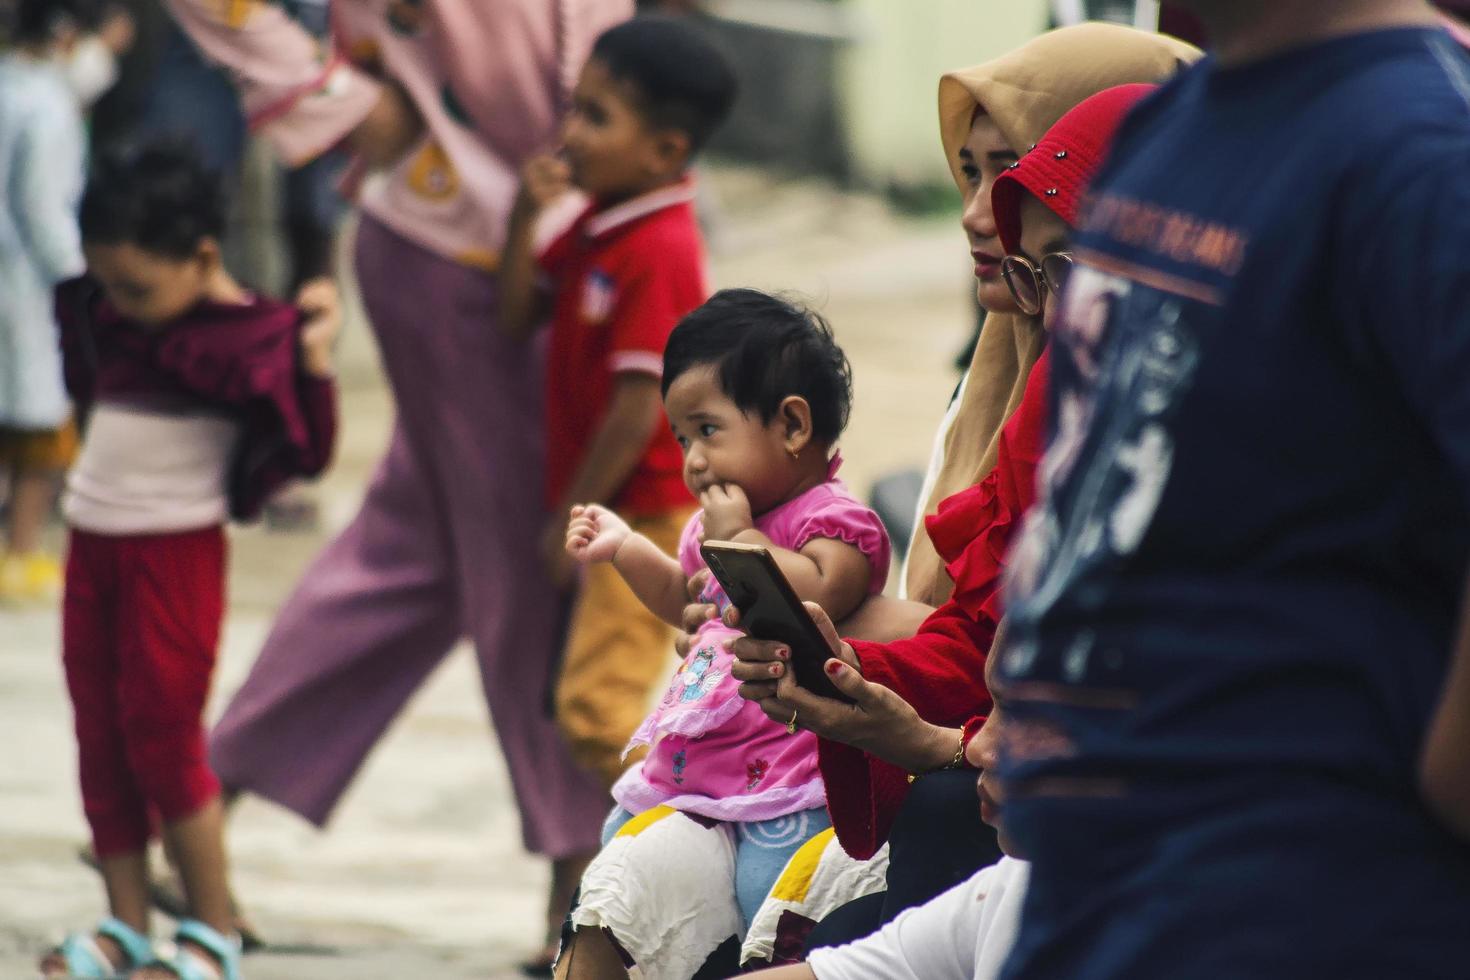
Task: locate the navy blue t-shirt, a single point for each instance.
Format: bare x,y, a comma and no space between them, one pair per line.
1231,615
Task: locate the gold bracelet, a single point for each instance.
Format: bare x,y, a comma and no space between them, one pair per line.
957,762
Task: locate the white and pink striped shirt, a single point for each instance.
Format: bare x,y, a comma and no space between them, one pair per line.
151,469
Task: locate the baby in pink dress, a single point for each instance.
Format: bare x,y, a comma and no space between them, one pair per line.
713,752
757,393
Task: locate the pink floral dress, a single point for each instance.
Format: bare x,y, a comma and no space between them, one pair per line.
713,752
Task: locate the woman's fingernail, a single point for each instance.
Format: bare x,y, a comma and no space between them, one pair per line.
782,653
834,667
775,670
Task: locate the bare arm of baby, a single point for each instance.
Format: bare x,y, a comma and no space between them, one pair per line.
596,534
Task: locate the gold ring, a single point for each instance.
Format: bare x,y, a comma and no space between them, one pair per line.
791,725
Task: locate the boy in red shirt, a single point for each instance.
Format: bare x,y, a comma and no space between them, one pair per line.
615,284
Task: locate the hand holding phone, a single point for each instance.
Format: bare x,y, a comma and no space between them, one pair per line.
770,610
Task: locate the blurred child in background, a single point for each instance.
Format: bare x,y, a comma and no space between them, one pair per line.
615,284
198,398
42,165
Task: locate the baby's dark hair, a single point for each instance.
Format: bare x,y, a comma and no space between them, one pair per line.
158,196
682,81
37,21
764,349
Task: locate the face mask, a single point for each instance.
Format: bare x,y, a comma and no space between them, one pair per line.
91,69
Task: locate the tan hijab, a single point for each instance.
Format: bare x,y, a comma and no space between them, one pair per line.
1025,92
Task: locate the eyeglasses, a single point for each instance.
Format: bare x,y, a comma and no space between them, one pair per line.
1030,284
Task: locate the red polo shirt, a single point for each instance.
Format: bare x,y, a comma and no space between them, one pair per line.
622,277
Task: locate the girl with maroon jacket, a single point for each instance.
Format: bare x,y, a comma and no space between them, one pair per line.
199,399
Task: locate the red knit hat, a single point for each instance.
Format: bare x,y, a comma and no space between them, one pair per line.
1058,169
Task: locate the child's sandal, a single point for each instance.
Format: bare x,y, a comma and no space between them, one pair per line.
221,963
168,898
84,958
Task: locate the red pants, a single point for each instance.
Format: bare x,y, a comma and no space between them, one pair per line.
139,631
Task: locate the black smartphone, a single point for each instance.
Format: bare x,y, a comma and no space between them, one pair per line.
770,610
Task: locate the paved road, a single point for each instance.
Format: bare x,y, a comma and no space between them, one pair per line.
421,873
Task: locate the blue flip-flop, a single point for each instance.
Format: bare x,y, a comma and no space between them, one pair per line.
222,963
84,957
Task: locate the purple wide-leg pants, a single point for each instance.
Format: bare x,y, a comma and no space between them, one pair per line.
445,545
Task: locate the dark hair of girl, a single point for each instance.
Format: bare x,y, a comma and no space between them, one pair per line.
159,196
764,349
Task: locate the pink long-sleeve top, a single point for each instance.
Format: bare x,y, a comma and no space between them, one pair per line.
489,78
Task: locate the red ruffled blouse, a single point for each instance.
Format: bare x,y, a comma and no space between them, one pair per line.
941,669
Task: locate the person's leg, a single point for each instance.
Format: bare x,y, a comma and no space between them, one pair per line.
937,841
469,405
112,800
197,843
477,420
169,898
27,573
566,876
660,895
376,611
594,943
816,884
31,493
125,878
591,955
764,847
617,655
372,616
170,609
125,881
40,459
